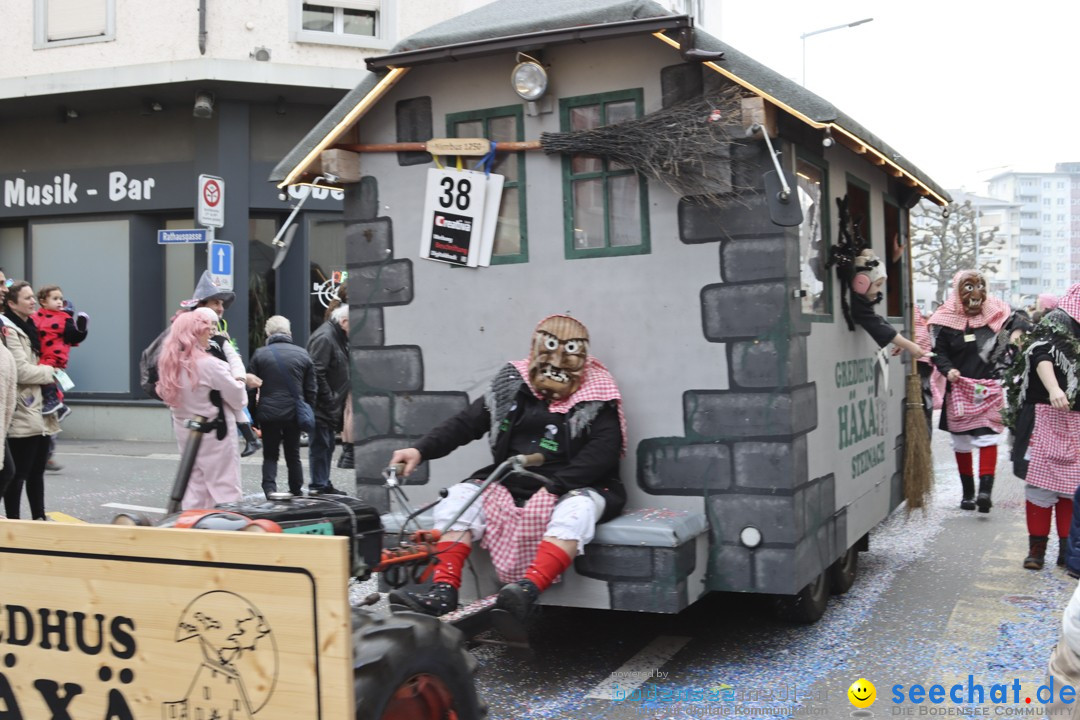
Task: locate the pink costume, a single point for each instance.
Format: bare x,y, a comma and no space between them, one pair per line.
215,478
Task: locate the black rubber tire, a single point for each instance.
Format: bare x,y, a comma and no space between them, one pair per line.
842,572
808,605
390,649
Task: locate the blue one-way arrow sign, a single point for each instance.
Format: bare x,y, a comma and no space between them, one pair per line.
220,263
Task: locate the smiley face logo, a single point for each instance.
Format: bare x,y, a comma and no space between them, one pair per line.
862,693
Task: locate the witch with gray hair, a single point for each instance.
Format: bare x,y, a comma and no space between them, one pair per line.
287,374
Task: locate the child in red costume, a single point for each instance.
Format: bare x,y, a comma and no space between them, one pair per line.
59,331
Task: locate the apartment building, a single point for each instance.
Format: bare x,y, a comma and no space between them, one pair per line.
112,110
1042,220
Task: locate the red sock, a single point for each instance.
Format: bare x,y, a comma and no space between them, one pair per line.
987,460
549,563
1064,516
963,464
1038,519
452,556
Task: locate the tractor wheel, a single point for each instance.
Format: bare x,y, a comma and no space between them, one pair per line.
842,572
808,605
408,666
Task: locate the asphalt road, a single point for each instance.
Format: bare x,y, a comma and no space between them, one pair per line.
940,597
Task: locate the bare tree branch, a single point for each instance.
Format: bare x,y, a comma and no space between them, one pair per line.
946,240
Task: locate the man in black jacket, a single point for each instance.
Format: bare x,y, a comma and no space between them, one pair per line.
563,404
287,374
329,350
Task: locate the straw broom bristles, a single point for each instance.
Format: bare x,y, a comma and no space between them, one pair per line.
687,146
918,463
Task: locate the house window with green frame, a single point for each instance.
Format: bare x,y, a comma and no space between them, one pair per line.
605,205
815,278
501,124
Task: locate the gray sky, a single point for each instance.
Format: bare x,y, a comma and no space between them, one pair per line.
960,87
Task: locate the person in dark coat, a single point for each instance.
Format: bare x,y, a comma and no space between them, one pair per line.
329,350
563,403
972,332
287,374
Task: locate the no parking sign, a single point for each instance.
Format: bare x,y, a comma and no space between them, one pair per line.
211,201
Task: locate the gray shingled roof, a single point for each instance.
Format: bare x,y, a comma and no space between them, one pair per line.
503,18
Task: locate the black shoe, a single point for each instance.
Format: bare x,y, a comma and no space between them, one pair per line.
439,600
326,489
1063,544
967,482
251,447
1036,552
346,461
62,412
986,487
517,598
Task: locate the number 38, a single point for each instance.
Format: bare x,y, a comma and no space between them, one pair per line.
448,200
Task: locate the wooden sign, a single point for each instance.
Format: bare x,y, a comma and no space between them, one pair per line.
458,146
103,622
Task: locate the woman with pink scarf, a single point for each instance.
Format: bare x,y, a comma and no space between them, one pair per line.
1047,426
970,342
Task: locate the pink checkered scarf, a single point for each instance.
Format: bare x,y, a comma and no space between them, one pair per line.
596,385
973,404
1054,450
513,533
951,314
1070,302
922,336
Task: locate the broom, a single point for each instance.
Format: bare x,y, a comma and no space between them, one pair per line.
918,463
686,146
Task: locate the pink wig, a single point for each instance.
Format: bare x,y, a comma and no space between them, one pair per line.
1047,302
179,353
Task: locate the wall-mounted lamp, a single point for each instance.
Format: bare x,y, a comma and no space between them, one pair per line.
204,105
827,141
149,106
261,54
529,79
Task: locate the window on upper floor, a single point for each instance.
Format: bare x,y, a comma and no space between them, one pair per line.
356,23
503,124
606,205
73,22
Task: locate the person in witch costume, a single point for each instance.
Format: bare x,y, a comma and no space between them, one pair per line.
558,401
971,336
1045,394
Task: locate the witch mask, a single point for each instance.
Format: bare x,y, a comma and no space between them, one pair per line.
972,292
560,348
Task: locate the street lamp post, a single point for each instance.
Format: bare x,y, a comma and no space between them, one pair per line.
818,32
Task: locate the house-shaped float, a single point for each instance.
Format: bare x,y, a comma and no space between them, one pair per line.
765,437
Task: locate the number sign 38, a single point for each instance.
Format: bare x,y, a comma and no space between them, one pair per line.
455,194
458,226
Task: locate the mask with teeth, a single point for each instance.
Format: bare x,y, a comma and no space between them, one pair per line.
560,348
972,292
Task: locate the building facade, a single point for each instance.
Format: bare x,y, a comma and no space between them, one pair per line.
113,109
1046,209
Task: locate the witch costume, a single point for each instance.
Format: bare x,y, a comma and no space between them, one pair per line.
1046,446
970,335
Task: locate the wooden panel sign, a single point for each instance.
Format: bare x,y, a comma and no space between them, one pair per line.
101,622
458,146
